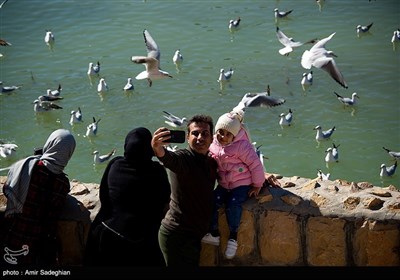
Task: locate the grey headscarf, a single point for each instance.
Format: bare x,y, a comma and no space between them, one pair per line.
57,151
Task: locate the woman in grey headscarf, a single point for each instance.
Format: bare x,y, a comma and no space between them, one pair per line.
36,189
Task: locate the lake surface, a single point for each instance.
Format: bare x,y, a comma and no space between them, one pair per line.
111,32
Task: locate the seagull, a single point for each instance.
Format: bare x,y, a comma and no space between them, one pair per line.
8,150
49,98
7,89
76,116
102,85
177,59
335,152
151,61
234,24
91,129
4,43
260,154
97,159
225,76
323,135
279,14
346,100
387,171
307,80
93,69
55,92
2,3
173,120
258,100
321,58
395,155
286,119
129,86
44,106
361,29
329,156
322,176
49,38
289,43
395,38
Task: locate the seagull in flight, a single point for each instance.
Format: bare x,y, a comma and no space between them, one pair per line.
289,43
346,100
258,100
151,61
321,58
173,120
387,171
97,159
323,134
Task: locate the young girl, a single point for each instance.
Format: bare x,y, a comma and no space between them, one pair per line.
241,175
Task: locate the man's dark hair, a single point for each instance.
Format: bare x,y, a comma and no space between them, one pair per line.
201,119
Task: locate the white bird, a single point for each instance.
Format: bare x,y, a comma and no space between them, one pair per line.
323,135
7,89
279,14
49,38
225,76
260,154
8,150
395,155
44,106
76,117
234,24
346,100
55,92
173,120
362,29
322,176
97,159
289,43
177,59
388,171
307,80
151,61
335,152
129,85
258,100
329,156
321,58
49,98
102,86
286,119
92,128
94,69
395,38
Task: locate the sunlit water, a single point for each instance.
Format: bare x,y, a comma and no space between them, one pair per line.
111,32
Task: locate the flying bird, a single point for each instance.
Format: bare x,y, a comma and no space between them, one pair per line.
289,43
258,100
173,120
321,58
151,61
346,100
98,159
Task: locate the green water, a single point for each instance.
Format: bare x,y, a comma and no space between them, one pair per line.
111,32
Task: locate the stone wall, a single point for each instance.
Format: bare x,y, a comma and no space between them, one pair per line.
306,222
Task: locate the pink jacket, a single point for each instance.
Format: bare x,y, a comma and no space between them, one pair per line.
238,162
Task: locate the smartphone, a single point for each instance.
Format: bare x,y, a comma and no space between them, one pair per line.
177,136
